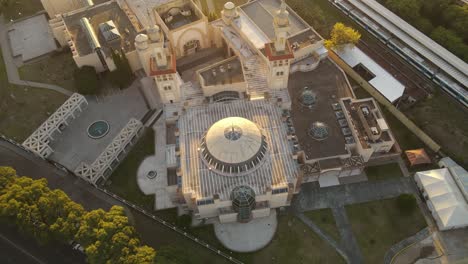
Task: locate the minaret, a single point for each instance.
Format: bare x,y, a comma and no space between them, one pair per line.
279,52
229,13
282,27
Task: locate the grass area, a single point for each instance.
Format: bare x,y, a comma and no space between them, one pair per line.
378,225
293,242
123,180
21,8
383,172
23,109
324,219
446,122
57,69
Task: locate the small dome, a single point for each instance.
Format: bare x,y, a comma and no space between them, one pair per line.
243,202
282,16
141,38
319,131
229,6
308,97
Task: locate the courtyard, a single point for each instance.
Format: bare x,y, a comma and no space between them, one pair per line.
74,145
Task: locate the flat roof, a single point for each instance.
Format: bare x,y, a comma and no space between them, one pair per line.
176,17
383,81
427,47
329,85
225,72
262,13
98,14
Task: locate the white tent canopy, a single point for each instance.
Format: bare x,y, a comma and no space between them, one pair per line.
444,198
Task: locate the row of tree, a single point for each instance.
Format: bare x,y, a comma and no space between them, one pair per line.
51,216
445,21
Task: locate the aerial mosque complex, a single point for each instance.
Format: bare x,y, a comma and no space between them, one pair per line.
252,106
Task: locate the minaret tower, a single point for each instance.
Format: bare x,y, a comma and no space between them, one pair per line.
282,27
158,61
279,52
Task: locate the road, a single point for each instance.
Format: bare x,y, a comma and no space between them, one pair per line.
151,233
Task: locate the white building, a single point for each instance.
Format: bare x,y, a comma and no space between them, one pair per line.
446,194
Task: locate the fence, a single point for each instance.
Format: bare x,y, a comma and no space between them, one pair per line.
132,205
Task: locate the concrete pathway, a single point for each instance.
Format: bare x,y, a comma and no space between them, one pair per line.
312,197
395,249
323,235
11,67
348,240
247,237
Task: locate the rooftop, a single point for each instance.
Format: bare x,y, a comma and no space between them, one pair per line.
377,76
262,12
367,121
278,166
227,71
98,15
329,85
178,16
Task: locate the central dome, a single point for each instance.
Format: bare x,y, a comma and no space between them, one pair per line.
233,145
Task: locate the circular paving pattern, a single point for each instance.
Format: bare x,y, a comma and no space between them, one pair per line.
98,129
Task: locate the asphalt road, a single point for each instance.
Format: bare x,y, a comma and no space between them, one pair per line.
151,233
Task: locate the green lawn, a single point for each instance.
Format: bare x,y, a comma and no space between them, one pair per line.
123,180
446,122
378,225
21,8
324,219
23,109
293,242
383,172
57,69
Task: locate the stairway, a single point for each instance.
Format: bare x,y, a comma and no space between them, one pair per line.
255,72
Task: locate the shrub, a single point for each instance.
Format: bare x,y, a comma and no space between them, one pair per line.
86,80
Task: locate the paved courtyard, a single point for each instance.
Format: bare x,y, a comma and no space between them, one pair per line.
31,38
74,145
247,237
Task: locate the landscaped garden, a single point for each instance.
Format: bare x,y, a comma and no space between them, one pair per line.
380,224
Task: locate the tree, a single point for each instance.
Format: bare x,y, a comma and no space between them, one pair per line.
122,76
109,238
86,80
451,41
342,35
406,203
51,215
407,9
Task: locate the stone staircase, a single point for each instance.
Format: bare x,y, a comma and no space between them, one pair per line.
256,71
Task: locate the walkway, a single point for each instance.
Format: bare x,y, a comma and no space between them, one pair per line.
313,197
11,67
396,249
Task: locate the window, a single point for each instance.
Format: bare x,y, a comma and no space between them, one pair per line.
159,56
279,73
280,63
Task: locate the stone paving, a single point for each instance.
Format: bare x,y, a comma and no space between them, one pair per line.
395,249
247,237
312,197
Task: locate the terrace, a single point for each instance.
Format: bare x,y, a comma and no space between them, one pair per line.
178,16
